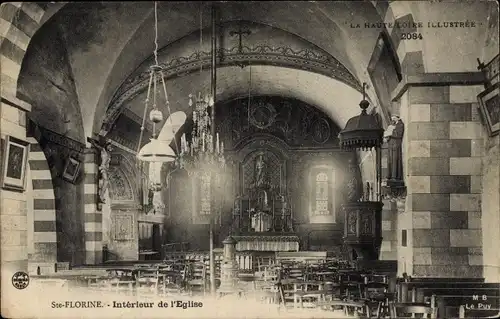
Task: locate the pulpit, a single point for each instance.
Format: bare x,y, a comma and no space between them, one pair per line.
362,229
363,212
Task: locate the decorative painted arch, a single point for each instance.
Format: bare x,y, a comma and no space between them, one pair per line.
299,54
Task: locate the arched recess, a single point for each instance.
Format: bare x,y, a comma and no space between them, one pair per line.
42,249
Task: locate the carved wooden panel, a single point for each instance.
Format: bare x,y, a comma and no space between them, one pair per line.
120,188
123,224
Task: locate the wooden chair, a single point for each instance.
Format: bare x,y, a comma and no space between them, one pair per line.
147,280
121,279
411,310
197,280
271,273
346,308
171,283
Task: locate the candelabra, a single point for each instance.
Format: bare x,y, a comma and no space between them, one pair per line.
204,152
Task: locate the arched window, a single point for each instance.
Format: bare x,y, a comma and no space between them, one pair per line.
205,194
322,194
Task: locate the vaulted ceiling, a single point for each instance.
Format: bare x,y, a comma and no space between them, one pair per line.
107,44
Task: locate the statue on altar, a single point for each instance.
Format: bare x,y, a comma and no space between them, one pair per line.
262,200
260,178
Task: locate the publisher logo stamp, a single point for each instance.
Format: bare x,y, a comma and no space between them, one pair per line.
20,280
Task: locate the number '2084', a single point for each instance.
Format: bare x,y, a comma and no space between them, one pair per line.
411,36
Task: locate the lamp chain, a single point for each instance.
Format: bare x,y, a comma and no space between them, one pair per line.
249,90
201,36
156,33
145,112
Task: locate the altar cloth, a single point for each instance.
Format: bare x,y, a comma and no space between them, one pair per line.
267,243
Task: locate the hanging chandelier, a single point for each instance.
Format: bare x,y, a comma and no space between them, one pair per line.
204,151
156,151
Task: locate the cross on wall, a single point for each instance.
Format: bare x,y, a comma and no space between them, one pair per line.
240,33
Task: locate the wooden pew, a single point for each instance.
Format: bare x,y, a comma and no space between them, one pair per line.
478,313
448,294
417,291
477,306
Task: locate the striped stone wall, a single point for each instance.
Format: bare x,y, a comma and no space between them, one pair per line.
388,249
443,149
93,217
13,204
44,237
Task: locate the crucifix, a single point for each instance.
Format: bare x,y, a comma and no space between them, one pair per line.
239,33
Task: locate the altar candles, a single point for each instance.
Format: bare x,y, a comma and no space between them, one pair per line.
183,144
203,142
217,143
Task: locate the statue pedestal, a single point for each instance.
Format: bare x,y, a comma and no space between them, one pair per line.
363,228
393,189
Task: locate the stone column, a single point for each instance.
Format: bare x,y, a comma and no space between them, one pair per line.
93,217
442,151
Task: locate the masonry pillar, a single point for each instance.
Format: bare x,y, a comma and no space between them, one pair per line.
441,220
93,217
388,249
13,209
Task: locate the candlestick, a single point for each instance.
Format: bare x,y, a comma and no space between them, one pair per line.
203,142
281,190
217,143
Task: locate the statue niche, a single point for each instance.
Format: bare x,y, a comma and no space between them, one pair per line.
262,190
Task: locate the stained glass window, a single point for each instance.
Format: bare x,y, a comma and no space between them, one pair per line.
205,194
322,194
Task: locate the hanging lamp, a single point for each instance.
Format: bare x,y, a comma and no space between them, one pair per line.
156,150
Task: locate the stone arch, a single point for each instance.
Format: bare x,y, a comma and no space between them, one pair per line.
398,18
44,251
19,21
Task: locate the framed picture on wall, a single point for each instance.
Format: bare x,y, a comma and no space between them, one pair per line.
489,104
15,158
71,169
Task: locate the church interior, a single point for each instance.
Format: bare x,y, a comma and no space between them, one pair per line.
333,155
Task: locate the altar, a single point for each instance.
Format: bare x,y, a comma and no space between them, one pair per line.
262,215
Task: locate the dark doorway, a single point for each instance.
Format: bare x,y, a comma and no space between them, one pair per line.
150,241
